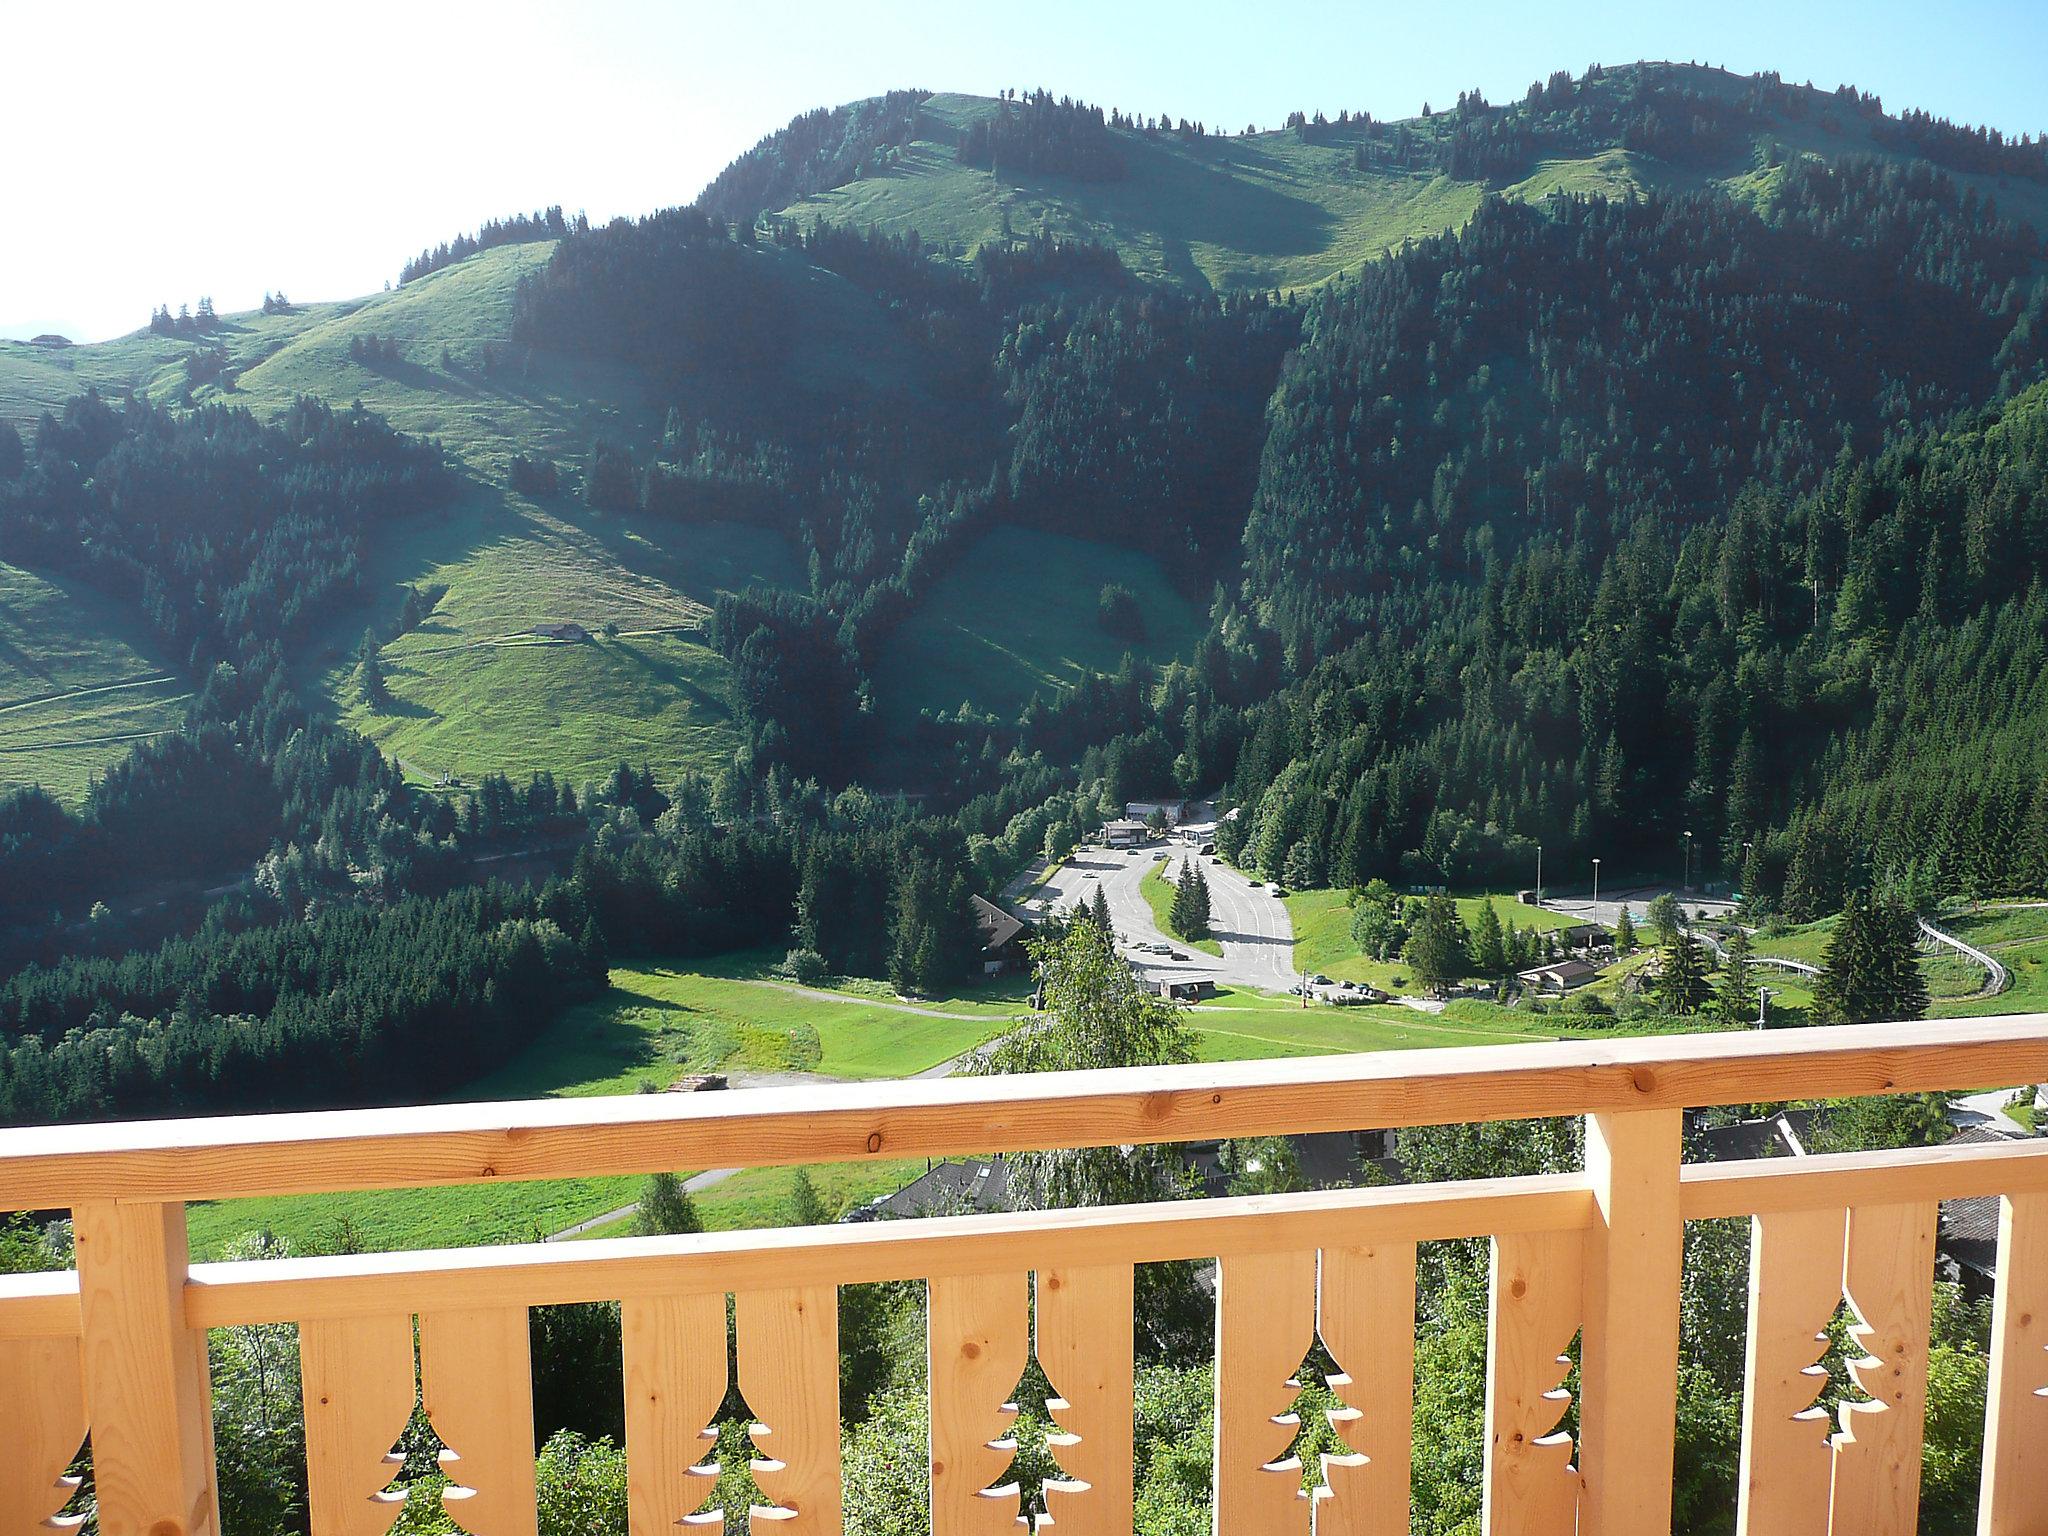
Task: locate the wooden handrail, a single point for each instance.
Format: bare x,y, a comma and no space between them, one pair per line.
224,1295
237,1157
1595,1254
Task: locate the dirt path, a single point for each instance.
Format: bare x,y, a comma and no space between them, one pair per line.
819,994
84,693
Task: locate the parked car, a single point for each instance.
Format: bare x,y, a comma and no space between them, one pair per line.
1322,981
1279,890
1174,954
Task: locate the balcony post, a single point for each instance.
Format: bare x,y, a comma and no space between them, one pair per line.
147,1388
2016,1436
1628,1354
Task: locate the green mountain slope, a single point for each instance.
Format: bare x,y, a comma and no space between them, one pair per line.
1294,207
872,380
80,683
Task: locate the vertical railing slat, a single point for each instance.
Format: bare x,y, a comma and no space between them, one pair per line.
1628,1354
1365,1311
1266,1325
476,1377
789,1375
675,1372
978,1338
146,1381
1085,1343
2016,1435
1795,1284
1535,1301
357,1383
42,1425
1889,1282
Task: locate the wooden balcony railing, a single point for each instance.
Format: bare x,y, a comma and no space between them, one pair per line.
118,1347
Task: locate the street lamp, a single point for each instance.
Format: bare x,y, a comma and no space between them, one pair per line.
1688,860
1596,890
1539,874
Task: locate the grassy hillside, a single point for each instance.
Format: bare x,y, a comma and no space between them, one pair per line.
80,682
1270,210
473,690
1017,616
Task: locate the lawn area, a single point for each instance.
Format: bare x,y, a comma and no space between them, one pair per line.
1298,1031
473,691
1158,892
1322,935
761,1197
1989,926
1808,942
1017,616
656,1024
2028,962
80,683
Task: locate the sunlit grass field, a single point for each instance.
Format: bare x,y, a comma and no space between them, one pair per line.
80,683
1323,945
1017,616
656,1024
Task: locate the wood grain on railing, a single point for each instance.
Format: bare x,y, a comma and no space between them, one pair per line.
221,1159
1888,1281
42,1426
788,1347
1085,1336
1535,1303
476,1383
978,1327
357,1382
1795,1285
145,1371
675,1370
1365,1311
2016,1428
1265,1328
1592,1255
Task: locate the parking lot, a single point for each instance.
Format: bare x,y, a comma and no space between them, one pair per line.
1248,922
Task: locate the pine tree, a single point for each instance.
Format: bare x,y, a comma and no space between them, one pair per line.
1665,919
1625,934
1736,994
1099,911
370,672
806,1205
1201,904
1489,945
1439,949
1682,975
666,1208
1871,970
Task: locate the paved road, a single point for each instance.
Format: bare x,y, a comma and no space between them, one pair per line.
1249,922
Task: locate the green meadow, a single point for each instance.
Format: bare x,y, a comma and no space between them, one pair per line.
80,683
1273,210
656,1023
1017,616
473,690
1322,935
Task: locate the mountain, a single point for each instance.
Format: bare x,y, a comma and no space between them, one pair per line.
1214,209
916,366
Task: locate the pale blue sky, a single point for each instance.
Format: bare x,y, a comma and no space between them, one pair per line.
158,151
